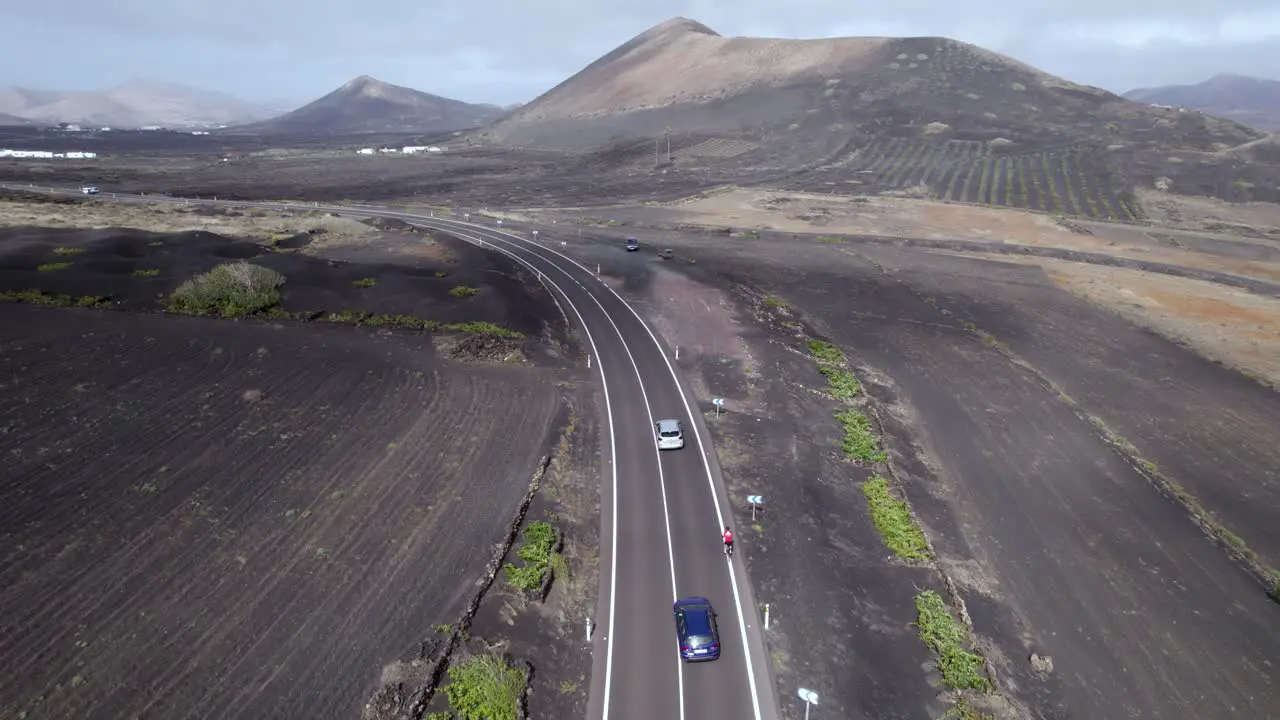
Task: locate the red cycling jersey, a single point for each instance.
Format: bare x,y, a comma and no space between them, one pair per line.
728,537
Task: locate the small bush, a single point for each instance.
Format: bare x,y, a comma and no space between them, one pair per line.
825,352
49,267
485,687
960,668
893,520
774,302
39,297
230,290
146,272
482,328
859,441
348,316
365,282
535,550
844,385
462,291
67,251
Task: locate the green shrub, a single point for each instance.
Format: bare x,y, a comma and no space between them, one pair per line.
48,267
230,290
462,291
825,352
859,441
959,667
535,550
365,282
842,382
893,520
485,687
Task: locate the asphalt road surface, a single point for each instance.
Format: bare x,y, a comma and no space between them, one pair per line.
662,511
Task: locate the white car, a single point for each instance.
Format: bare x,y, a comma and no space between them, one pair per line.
89,190
670,434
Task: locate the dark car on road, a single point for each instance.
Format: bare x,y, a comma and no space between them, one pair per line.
696,628
632,244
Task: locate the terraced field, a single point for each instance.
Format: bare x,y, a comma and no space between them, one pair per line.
1073,180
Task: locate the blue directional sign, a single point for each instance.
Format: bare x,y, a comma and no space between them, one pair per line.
755,499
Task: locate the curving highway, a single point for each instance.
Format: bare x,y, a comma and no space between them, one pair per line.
662,512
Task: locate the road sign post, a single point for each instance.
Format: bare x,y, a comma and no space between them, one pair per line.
755,500
535,235
719,403
810,699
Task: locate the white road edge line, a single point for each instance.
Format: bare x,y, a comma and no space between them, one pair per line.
662,483
613,452
706,464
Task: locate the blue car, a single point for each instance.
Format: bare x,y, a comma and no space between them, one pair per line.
696,628
632,244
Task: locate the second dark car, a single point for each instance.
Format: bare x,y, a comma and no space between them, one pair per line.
696,629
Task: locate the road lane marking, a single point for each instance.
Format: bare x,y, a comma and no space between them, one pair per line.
666,515
733,579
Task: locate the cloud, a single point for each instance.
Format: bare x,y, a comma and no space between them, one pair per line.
502,52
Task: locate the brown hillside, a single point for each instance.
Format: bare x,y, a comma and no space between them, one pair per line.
366,105
1252,101
925,115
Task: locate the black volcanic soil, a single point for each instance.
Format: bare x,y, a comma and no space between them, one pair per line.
239,519
109,260
1058,544
258,518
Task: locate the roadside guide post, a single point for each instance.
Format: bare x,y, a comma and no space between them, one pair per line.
588,628
677,352
810,698
588,362
719,403
755,500
766,616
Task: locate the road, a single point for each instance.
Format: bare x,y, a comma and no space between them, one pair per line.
662,512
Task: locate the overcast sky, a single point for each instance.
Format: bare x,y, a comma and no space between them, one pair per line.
503,51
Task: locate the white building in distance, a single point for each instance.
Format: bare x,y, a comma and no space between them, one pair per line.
40,154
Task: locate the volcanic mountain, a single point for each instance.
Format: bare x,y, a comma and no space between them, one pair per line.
133,104
682,76
366,105
1250,100
922,115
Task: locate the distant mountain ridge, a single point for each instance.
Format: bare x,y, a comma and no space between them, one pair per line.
1249,100
367,105
137,103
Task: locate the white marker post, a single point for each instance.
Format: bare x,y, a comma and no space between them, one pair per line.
677,352
718,402
588,362
810,698
766,616
755,500
588,628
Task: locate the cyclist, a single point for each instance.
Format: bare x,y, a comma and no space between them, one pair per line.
728,540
